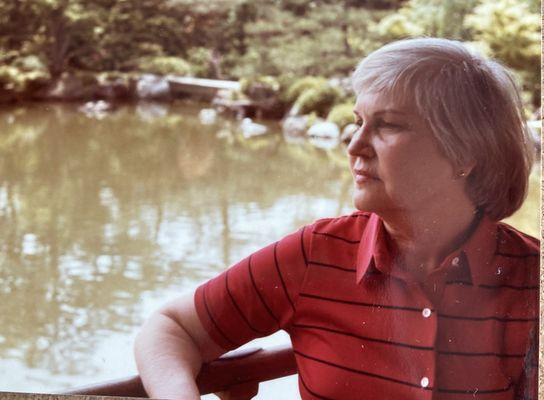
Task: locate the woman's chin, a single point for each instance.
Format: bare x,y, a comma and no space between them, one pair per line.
366,202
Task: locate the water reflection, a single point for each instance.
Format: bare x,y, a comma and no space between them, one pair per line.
98,216
95,214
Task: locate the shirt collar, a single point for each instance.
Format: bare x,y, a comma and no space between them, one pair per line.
473,258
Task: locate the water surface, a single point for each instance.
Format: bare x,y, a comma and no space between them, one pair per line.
103,220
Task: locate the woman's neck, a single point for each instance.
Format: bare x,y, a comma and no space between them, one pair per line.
425,238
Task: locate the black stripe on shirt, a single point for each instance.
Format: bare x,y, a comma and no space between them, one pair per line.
281,277
491,318
510,255
508,287
259,293
501,286
320,264
464,283
358,303
238,307
214,321
464,354
406,345
472,392
361,372
337,237
302,247
476,391
388,342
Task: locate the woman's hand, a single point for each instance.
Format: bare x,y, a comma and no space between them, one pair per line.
170,349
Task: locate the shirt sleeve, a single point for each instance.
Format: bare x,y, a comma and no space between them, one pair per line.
527,387
257,296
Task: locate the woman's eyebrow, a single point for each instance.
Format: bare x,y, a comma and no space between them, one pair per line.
385,111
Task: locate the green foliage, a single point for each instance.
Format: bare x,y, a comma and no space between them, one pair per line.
16,81
318,99
341,114
301,85
233,39
200,60
398,26
511,32
440,18
261,87
328,40
164,65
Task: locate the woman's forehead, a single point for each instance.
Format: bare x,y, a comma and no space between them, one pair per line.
373,102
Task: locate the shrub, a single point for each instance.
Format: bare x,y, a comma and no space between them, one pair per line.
8,78
30,63
164,65
200,60
341,114
14,80
319,100
397,26
261,87
301,85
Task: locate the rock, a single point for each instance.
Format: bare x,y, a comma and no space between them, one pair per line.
324,135
324,130
153,87
115,89
251,129
348,132
535,128
323,142
225,134
342,83
295,126
96,109
70,87
207,116
148,111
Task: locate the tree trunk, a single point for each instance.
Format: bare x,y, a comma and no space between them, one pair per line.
59,41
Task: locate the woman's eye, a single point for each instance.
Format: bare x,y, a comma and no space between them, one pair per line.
358,122
388,125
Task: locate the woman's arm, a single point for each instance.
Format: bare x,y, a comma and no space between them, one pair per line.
170,349
251,299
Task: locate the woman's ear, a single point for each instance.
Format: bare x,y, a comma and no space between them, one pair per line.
465,170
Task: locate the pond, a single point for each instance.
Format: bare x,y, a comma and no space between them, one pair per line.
104,219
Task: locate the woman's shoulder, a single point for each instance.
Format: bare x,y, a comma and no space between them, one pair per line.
349,226
518,255
513,242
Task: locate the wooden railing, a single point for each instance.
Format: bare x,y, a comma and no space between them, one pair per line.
234,376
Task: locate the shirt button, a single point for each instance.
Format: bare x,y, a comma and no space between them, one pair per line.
426,312
424,382
455,261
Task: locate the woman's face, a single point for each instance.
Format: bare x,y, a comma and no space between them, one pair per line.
395,161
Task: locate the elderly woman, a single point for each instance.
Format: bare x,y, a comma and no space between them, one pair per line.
422,293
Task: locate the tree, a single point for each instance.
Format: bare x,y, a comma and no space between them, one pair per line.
439,18
511,33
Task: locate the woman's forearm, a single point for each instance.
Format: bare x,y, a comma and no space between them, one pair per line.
167,359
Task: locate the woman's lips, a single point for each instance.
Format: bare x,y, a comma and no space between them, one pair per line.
364,177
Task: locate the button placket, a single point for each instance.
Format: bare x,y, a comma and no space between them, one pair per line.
429,325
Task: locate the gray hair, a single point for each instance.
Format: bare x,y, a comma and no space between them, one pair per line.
472,106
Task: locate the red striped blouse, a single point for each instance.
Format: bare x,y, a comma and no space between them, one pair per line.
362,328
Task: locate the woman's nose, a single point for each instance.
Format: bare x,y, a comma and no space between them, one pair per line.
360,143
